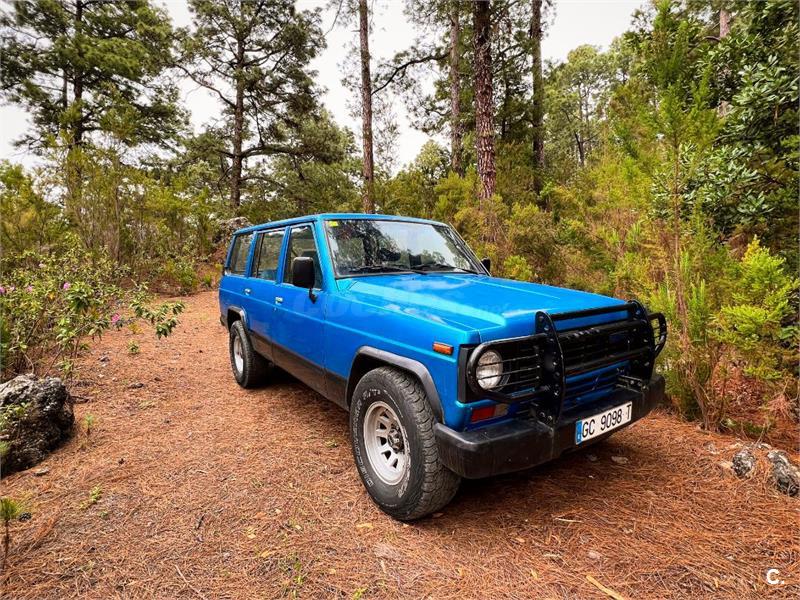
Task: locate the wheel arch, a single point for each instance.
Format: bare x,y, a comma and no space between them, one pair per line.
368,358
233,314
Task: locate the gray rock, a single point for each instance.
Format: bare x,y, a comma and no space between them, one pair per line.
35,418
744,462
785,474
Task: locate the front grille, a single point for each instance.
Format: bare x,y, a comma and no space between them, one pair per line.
589,348
567,362
585,388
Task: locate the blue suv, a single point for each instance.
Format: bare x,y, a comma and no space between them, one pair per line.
446,371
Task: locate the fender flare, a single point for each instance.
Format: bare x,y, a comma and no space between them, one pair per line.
406,364
239,311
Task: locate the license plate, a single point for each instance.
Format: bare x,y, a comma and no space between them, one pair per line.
603,422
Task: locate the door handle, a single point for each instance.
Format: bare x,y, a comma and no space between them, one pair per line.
247,291
278,299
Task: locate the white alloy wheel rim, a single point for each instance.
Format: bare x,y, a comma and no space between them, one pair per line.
386,443
238,354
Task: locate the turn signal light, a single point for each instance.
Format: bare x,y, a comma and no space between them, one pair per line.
442,348
481,414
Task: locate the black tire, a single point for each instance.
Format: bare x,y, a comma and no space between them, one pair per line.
255,368
426,485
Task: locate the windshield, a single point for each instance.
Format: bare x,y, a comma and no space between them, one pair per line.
360,246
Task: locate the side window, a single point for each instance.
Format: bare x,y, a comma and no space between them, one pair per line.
268,254
241,249
301,243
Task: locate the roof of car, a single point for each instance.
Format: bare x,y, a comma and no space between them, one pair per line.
332,216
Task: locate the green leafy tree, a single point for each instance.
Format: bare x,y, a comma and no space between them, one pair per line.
254,57
576,101
321,178
413,190
28,221
749,183
80,67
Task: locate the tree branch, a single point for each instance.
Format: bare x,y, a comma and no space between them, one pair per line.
402,68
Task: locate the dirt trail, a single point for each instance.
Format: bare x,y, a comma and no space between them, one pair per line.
210,491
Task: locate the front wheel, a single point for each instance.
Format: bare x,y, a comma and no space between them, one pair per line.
391,425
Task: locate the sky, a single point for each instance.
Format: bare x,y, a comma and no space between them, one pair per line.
577,22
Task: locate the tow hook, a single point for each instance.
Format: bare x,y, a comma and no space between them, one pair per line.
634,384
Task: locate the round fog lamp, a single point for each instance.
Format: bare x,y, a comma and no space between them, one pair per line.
489,371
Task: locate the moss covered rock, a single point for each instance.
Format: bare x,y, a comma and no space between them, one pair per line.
35,418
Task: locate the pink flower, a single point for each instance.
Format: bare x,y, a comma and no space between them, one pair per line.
42,265
11,288
66,285
115,318
2,290
29,289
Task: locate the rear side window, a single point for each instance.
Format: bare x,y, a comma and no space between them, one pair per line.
268,253
241,249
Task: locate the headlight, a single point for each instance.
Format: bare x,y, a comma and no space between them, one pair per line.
489,371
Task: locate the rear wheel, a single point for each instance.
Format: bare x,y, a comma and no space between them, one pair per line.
249,368
391,425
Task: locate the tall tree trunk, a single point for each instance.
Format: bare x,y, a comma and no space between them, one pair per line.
73,169
64,90
579,145
238,129
538,97
77,85
368,193
456,128
484,105
724,23
724,30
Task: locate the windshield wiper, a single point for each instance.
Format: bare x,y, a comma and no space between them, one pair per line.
440,267
378,269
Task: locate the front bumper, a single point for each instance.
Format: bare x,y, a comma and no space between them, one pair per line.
524,443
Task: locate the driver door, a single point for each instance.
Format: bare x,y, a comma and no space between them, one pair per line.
298,328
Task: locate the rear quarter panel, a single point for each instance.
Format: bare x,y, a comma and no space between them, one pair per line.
231,287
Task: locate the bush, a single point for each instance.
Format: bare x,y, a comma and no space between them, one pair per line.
179,274
50,304
758,325
49,307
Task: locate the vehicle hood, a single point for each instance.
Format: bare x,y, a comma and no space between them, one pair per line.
493,307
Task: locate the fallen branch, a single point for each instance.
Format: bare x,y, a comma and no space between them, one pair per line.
607,591
194,589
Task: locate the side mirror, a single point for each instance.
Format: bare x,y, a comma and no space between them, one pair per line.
487,264
303,272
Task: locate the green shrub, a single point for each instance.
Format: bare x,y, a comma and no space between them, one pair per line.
50,305
89,422
758,324
10,510
179,273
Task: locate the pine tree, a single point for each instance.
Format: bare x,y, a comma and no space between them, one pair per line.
368,194
80,67
484,103
254,57
537,105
